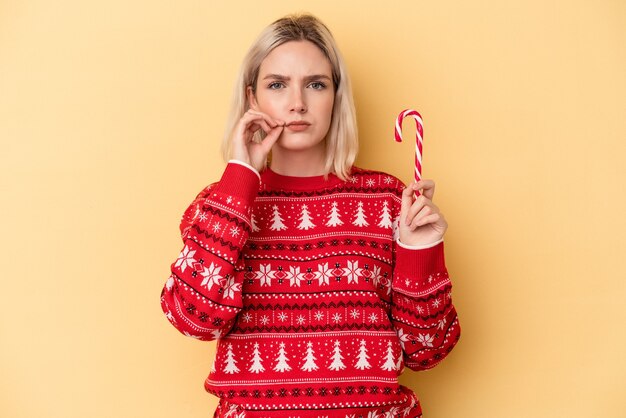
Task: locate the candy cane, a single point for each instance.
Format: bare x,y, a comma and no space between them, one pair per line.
418,138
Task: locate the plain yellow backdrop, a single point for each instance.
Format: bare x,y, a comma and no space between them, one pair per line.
110,120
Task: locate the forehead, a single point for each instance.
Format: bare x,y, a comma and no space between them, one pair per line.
296,57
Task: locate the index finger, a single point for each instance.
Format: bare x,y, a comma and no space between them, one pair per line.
426,186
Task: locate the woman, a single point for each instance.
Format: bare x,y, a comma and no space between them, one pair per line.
320,280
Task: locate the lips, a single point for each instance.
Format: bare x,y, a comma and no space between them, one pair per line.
298,126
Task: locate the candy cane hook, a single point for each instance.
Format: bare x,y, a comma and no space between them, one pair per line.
418,138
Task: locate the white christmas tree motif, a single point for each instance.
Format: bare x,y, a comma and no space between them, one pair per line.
334,219
277,220
400,361
323,274
359,219
256,366
390,363
230,287
211,275
426,340
373,414
337,363
309,360
185,259
396,228
305,219
281,365
385,217
265,274
362,357
231,366
353,272
255,227
294,276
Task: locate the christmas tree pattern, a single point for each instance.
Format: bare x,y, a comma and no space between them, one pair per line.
231,363
255,227
362,357
385,217
281,360
359,219
277,220
305,219
309,360
337,363
334,219
256,366
390,361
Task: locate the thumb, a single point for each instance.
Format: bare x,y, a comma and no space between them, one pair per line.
271,138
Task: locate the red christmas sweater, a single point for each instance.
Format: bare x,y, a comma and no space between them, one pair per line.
316,305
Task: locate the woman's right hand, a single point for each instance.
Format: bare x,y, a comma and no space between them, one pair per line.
248,151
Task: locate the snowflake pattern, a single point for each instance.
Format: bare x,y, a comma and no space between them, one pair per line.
425,339
265,274
211,276
230,288
185,259
352,271
294,276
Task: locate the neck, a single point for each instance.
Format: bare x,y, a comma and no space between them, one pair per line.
302,163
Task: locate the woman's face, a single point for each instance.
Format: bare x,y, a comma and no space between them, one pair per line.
295,85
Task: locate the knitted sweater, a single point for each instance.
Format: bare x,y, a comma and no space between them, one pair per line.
316,305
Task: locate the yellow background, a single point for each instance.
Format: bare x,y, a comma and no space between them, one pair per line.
110,119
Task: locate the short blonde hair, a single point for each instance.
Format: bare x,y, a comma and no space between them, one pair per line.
342,137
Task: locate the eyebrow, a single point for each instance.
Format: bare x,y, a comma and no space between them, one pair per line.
285,78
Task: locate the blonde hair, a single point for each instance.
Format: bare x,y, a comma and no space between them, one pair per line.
342,137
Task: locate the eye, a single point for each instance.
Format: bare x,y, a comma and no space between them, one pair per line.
317,85
275,85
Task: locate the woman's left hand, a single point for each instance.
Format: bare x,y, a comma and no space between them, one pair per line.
421,222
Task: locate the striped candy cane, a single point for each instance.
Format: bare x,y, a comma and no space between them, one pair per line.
418,138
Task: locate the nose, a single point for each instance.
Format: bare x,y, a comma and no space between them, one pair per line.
297,102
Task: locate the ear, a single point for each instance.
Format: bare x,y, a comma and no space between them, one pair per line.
251,98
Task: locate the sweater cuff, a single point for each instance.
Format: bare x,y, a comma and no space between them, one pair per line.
239,182
419,264
246,165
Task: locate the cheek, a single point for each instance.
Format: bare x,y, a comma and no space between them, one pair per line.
267,105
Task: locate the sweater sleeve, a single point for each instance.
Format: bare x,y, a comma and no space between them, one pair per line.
202,296
422,311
